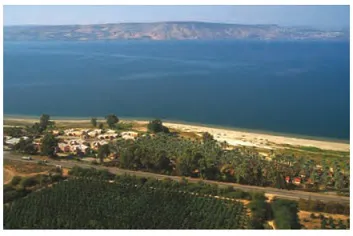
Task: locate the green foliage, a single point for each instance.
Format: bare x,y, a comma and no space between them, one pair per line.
311,149
207,137
11,194
328,207
39,128
183,185
260,211
103,152
16,180
44,121
123,126
285,214
156,126
341,225
92,204
258,196
29,182
48,145
168,154
112,120
8,187
94,122
348,223
91,173
323,223
100,126
26,146
15,132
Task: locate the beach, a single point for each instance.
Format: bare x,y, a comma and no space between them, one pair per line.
232,137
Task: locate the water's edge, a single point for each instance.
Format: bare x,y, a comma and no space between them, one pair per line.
290,135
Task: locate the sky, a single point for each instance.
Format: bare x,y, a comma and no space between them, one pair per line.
325,17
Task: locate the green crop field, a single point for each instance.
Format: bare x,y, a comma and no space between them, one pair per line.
94,204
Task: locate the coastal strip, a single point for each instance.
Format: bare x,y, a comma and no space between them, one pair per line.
231,137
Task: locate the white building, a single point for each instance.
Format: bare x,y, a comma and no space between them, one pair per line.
14,141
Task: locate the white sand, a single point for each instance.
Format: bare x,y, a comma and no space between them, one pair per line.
233,137
268,141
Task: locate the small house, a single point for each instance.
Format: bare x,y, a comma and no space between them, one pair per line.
297,180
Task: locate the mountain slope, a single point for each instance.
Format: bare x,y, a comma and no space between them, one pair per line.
168,31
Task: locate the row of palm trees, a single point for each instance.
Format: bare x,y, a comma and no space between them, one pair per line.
178,156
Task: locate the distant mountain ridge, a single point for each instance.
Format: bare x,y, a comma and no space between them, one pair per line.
168,31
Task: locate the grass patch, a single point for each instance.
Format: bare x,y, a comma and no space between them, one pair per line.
310,149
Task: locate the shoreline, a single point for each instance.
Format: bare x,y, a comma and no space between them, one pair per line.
232,136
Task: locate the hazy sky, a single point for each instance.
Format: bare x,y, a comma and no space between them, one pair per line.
317,16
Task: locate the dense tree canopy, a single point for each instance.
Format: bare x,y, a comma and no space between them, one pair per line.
103,152
15,132
48,145
179,156
156,126
44,121
26,146
112,120
285,214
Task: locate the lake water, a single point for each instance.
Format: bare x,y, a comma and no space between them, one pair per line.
288,87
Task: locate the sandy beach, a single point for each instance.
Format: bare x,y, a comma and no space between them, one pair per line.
232,137
267,141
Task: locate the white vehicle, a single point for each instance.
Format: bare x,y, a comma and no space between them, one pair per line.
27,158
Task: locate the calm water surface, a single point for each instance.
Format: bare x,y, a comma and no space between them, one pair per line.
289,87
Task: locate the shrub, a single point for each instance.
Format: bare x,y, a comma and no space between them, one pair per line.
14,194
156,126
56,177
257,196
29,182
8,187
285,214
16,180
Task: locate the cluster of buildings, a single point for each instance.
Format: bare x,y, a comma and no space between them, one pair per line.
78,141
86,140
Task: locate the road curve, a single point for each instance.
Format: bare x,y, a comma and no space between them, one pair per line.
280,193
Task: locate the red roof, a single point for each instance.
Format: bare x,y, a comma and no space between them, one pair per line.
297,179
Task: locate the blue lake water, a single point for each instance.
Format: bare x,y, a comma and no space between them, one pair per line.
289,87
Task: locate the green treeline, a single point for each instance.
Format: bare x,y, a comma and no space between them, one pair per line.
328,207
285,214
167,153
173,155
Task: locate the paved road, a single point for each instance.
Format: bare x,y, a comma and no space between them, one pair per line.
292,195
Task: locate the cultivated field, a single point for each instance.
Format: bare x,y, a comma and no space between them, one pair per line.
83,203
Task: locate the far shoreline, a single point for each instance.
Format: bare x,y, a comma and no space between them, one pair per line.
193,125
